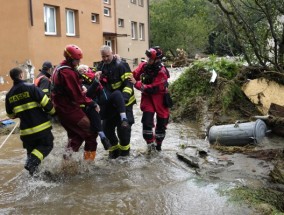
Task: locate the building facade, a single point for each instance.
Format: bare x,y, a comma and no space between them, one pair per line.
132,30
34,31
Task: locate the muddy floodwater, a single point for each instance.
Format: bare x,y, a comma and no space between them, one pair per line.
140,184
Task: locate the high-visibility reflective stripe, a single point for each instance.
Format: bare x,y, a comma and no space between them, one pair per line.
125,76
45,90
82,106
124,148
24,107
38,154
147,132
127,90
114,148
35,129
44,101
159,135
52,111
116,85
131,100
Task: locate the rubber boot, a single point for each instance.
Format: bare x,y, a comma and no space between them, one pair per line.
32,164
124,153
89,155
114,154
159,147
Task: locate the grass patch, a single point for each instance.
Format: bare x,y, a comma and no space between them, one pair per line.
265,201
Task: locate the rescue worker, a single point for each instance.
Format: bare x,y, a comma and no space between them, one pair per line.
87,76
32,106
67,98
43,78
151,79
117,93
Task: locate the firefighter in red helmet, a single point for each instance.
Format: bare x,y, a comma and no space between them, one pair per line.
151,79
68,98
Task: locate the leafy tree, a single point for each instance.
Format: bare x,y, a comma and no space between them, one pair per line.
257,27
183,24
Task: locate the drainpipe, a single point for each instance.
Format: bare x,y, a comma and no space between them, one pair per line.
115,26
31,13
148,5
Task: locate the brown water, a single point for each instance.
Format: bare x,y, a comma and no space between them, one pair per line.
140,184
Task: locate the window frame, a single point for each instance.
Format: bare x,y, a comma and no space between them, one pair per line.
72,34
107,1
96,17
141,3
120,22
46,20
133,30
141,31
133,1
108,9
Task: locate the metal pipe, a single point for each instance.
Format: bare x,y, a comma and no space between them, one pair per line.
148,5
31,13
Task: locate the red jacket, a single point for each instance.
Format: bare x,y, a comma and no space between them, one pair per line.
157,85
67,94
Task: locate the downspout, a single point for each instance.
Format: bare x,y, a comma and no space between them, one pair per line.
148,5
31,13
115,26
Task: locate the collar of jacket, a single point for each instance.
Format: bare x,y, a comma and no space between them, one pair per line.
18,81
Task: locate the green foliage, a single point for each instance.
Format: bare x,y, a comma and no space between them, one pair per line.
193,86
180,24
229,94
226,68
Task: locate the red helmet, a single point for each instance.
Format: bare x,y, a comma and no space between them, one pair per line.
73,52
154,53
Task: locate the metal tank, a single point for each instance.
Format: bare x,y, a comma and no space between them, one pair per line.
238,134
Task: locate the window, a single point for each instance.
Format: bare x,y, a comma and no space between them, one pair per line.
141,31
70,23
141,3
134,30
133,1
120,22
95,17
107,1
108,43
106,11
50,20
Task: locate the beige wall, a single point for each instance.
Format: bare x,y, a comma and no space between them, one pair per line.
21,41
13,34
109,21
127,47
